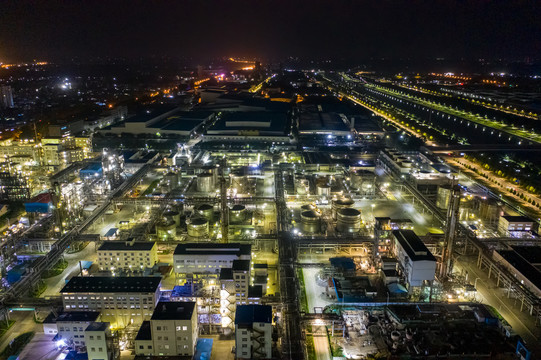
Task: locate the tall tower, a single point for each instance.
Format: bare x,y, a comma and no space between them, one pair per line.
6,97
446,267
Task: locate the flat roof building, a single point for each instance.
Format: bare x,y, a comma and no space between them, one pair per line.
127,255
253,332
415,260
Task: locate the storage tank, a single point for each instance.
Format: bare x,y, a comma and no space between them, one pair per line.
166,229
173,215
302,185
307,207
490,210
340,204
310,221
206,211
171,179
197,227
206,183
442,198
237,181
323,189
406,164
237,213
348,220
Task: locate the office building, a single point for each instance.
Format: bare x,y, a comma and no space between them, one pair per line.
127,255
121,300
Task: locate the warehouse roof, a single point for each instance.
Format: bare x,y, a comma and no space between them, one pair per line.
249,314
213,249
413,245
109,284
77,316
126,245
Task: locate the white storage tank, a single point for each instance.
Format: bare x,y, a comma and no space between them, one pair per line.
348,220
197,227
206,183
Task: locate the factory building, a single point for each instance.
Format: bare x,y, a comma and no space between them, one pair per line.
121,300
524,263
127,255
253,332
70,326
207,259
515,226
171,331
416,262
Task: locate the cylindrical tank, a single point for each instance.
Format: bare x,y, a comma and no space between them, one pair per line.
166,229
197,227
302,185
237,181
323,189
406,164
171,179
237,213
348,220
173,215
442,198
307,207
310,221
205,182
489,209
340,204
206,211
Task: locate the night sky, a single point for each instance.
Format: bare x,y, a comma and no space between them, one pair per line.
54,30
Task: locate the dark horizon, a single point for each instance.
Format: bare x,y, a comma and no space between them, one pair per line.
60,30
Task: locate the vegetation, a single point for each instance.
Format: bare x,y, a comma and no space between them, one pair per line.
150,189
15,209
310,347
57,269
39,289
4,326
16,346
303,299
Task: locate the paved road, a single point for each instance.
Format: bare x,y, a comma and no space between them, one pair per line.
24,323
521,322
321,345
41,347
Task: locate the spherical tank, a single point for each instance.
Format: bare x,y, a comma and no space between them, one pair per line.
310,221
340,204
205,183
348,220
197,227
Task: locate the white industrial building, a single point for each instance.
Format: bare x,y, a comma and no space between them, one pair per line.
127,255
416,262
253,332
122,301
172,331
207,259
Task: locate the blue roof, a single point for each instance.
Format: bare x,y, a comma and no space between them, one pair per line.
396,288
203,349
342,262
111,232
248,314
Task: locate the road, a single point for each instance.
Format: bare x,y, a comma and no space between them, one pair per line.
41,347
521,322
24,323
321,346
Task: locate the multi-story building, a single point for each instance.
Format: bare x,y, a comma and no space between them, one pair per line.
253,332
235,289
127,255
121,300
207,259
99,342
172,331
70,326
416,262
